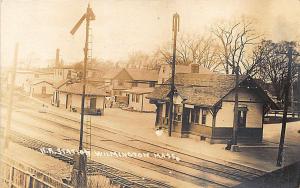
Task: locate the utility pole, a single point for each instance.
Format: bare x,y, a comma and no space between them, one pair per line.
286,104
292,98
10,98
234,146
175,29
298,88
79,177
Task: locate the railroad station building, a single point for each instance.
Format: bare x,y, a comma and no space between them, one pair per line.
204,107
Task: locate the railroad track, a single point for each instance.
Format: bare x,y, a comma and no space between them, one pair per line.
238,172
122,178
200,179
226,170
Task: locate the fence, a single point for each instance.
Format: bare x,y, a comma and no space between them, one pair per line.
279,113
18,175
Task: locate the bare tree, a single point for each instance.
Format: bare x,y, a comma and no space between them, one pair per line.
193,49
270,65
234,40
138,60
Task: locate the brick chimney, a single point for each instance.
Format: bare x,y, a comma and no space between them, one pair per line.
195,67
57,62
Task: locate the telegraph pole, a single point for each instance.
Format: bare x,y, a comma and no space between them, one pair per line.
10,98
175,29
234,146
286,104
79,177
298,88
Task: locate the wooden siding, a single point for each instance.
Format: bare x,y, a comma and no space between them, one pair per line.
143,104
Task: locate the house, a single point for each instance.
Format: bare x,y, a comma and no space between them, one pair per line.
70,96
24,78
138,101
120,81
56,86
204,107
63,73
41,87
165,70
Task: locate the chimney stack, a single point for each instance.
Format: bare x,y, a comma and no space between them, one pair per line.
195,67
57,62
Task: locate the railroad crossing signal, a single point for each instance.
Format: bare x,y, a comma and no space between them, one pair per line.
79,177
89,15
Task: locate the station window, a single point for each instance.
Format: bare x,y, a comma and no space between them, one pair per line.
192,115
204,114
151,84
120,82
197,115
242,118
134,84
177,112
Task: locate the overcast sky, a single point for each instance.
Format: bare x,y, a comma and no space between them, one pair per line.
124,26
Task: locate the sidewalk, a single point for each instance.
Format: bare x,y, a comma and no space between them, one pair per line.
141,126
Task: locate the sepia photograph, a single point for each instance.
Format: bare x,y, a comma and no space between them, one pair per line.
150,94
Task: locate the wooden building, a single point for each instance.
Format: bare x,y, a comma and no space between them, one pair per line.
56,86
165,70
70,98
138,101
204,107
64,73
24,78
120,81
41,87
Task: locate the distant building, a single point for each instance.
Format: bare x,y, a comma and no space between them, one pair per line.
204,107
165,70
137,100
64,73
24,78
56,86
121,81
69,97
41,88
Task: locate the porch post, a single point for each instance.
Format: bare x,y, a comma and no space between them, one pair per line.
214,114
158,114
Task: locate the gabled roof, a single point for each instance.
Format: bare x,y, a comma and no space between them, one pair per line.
59,84
143,74
141,90
112,73
135,74
203,89
76,88
38,81
187,69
